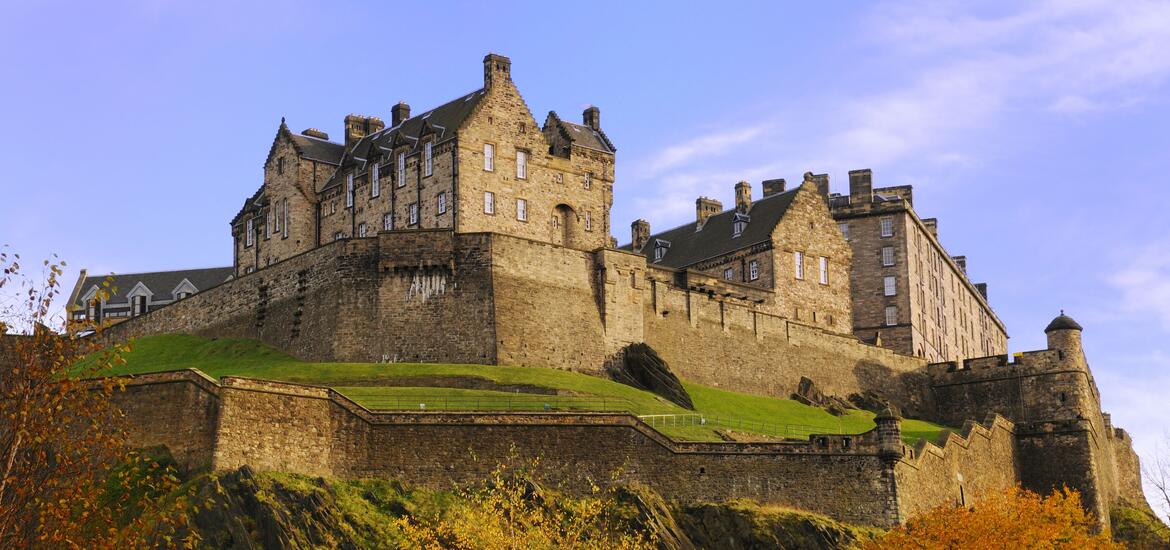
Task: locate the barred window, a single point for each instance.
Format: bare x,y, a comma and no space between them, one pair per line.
887,256
388,222
428,159
798,261
891,315
248,234
890,285
823,263
728,273
522,210
375,182
413,213
753,270
887,227
489,157
522,164
489,202
442,200
588,180
588,221
349,191
362,230
401,169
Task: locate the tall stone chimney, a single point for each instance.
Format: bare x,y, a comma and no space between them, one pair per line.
822,181
705,208
640,234
961,261
772,187
743,196
313,132
496,69
861,186
931,226
359,126
399,113
591,117
982,288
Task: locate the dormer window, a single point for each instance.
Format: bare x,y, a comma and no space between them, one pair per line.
660,248
739,224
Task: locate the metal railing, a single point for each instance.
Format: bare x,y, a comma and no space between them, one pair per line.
786,431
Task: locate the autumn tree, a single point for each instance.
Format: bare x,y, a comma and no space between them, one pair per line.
510,511
1011,518
67,478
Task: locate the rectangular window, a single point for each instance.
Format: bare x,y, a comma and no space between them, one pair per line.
276,214
286,220
333,207
338,236
388,222
522,164
890,286
753,270
248,234
442,200
823,263
887,227
349,191
268,226
280,165
887,256
428,160
728,273
489,202
798,264
588,180
413,216
401,169
522,210
139,305
844,227
489,157
891,315
588,221
362,230
375,182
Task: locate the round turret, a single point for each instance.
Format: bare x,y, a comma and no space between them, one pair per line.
889,434
1064,334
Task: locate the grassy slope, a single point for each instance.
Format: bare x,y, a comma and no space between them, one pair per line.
358,381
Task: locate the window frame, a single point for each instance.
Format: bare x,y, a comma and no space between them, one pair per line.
349,190
588,180
891,320
375,182
844,229
363,230
728,274
522,209
441,202
401,169
888,256
387,222
489,157
753,270
886,227
412,214
521,164
428,159
798,264
823,269
249,239
890,285
287,217
489,203
588,220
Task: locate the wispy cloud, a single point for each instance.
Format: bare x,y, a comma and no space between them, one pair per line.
1144,283
702,147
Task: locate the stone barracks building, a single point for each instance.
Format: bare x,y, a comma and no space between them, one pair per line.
469,233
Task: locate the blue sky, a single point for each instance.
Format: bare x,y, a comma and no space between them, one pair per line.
1035,131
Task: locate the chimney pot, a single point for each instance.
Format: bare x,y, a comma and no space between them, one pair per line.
961,261
931,226
359,126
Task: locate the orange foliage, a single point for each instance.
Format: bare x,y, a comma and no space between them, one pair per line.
1013,518
67,479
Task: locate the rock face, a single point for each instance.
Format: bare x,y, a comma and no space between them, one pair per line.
645,370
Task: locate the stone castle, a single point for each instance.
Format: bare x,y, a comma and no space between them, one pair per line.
471,234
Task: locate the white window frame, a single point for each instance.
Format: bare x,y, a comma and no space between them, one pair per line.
349,191
428,159
276,214
489,157
402,169
798,264
387,222
442,202
375,182
489,202
412,214
823,266
363,230
886,227
248,239
728,274
521,165
887,256
890,285
753,270
588,180
287,217
588,221
891,316
522,210
844,229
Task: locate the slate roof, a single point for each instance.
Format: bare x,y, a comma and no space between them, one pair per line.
318,149
1062,322
588,137
160,283
689,247
443,120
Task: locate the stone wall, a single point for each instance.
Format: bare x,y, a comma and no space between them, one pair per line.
980,459
177,409
315,431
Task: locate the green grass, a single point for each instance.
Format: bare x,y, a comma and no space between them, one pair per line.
365,384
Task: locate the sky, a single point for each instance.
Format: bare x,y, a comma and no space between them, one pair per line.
1036,132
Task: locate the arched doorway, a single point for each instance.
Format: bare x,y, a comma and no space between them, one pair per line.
563,225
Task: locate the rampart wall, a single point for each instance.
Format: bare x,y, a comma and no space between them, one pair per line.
315,431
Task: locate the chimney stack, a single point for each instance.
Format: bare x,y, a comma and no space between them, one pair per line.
359,126
399,113
861,186
772,187
496,70
313,132
931,226
961,261
705,208
821,181
592,117
640,233
982,288
743,196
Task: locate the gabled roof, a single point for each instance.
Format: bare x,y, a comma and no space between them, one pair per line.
443,121
160,283
580,135
689,247
318,149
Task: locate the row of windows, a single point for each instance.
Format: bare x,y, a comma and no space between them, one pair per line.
822,264
753,271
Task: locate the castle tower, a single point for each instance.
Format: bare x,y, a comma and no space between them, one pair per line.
743,196
1064,335
889,429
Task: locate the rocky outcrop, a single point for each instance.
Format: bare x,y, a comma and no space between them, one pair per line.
642,368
